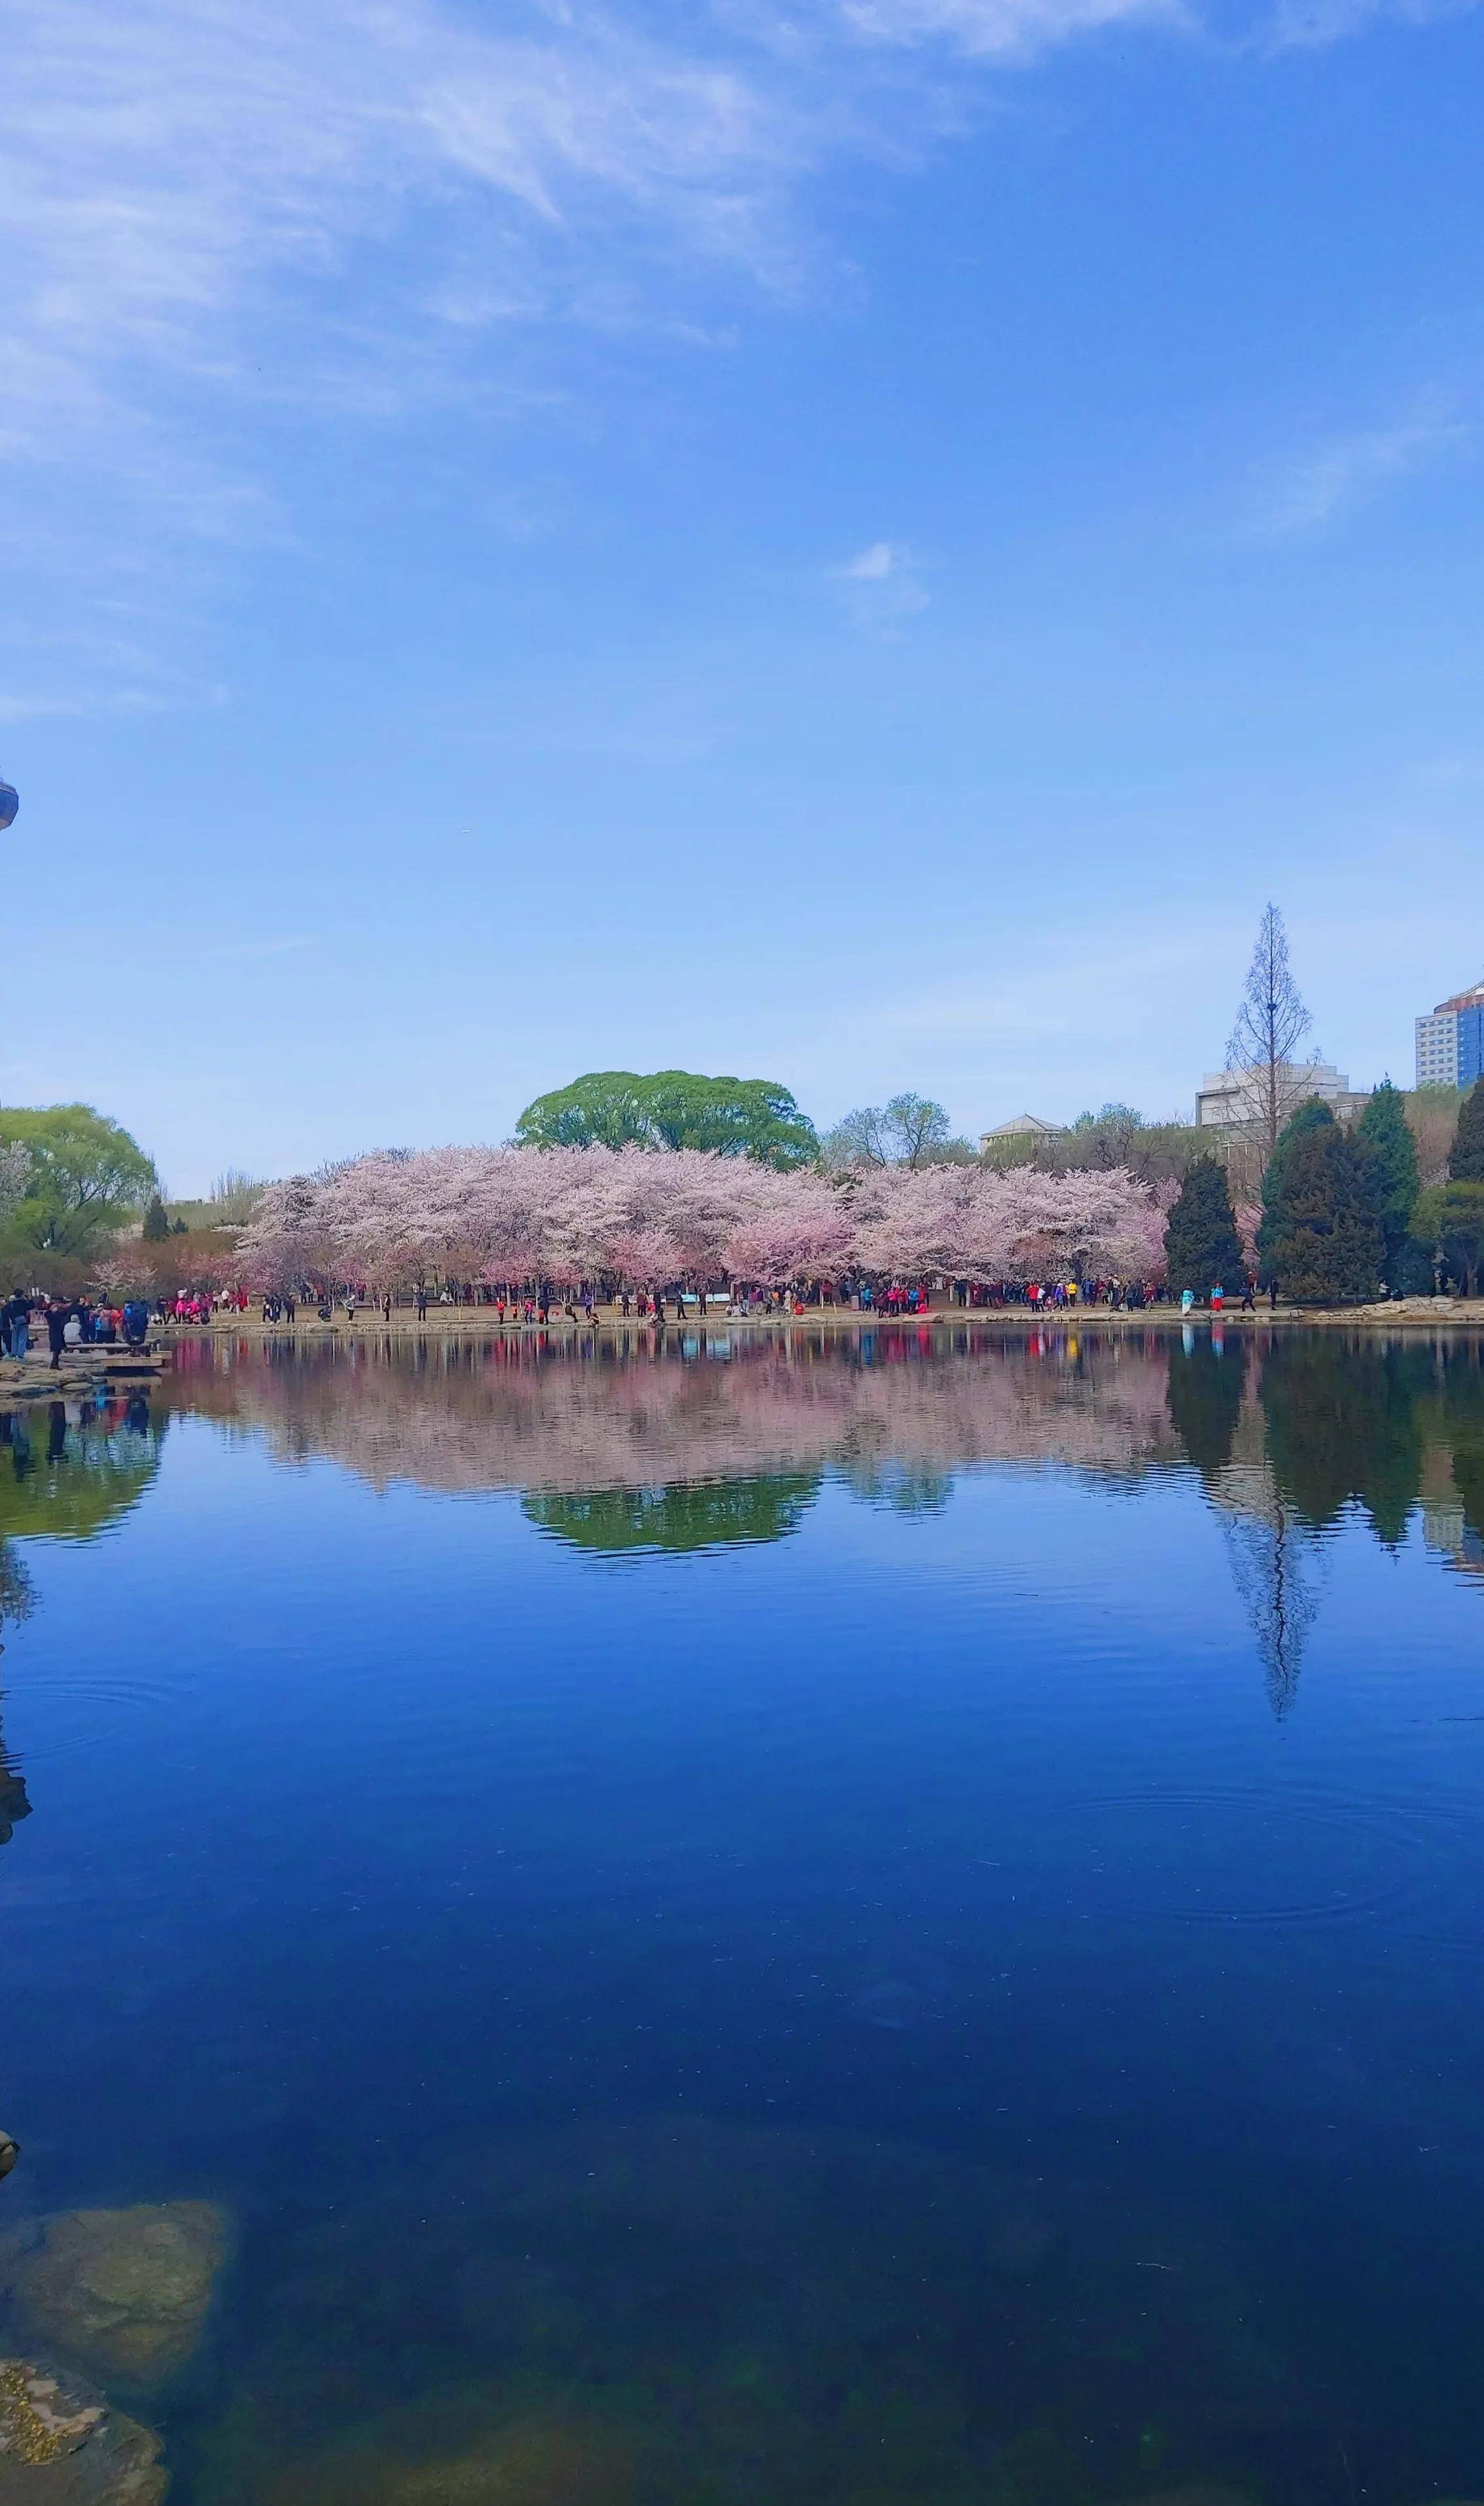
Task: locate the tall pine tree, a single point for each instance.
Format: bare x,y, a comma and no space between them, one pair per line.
1384,1129
1322,1239
1465,1163
1202,1247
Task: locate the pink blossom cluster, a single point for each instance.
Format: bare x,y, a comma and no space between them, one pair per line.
649,1218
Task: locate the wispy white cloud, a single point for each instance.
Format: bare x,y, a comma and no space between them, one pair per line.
884,583
239,193
874,563
1310,24
1000,28
1330,479
215,210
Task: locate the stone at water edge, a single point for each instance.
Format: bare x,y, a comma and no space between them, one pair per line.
124,2292
60,2444
10,2151
1200,2493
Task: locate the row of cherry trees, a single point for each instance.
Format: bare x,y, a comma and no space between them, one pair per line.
648,1218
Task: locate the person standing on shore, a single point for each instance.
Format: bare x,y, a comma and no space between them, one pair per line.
57,1330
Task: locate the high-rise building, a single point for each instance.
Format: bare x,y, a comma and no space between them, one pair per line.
1450,1043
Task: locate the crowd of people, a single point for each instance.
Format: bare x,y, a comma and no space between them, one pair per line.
69,1322
537,1303
80,1322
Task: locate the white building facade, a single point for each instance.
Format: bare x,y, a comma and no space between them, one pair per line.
1233,1099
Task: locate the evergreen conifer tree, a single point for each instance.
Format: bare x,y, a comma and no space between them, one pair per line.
1465,1163
156,1225
1385,1132
1202,1247
1322,1241
1313,1115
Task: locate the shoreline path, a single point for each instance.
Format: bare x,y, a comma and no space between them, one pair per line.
480,1322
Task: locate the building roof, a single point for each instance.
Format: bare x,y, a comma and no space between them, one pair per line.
1023,1122
1468,1000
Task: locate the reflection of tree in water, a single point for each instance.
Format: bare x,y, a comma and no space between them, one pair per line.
703,1514
919,1492
17,1600
69,1474
64,1476
1204,1396
1343,1427
1271,1550
1274,1561
1338,1423
1458,1405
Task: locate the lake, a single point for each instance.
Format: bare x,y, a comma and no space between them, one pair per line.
886,1918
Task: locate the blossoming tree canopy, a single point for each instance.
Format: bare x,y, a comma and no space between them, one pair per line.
649,1219
673,1109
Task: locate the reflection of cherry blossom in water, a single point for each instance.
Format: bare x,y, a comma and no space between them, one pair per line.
893,1424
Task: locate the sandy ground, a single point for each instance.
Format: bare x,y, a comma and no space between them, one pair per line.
482,1322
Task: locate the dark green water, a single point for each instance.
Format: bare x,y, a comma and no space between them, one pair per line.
891,1922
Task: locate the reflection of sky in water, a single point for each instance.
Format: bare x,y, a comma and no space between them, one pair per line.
779,1949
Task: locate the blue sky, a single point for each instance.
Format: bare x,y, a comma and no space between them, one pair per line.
854,543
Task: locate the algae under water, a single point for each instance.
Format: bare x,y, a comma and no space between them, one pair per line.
886,1918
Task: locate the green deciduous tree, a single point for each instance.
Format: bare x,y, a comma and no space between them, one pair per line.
87,1177
1465,1162
1449,1219
1384,1129
1320,1239
673,1109
1202,1246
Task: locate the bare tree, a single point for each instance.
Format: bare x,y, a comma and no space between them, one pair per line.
1271,1023
908,1130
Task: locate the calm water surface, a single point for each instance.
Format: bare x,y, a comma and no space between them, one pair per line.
893,1919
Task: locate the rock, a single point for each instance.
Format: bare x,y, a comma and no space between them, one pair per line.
523,2464
60,2444
10,2151
124,2292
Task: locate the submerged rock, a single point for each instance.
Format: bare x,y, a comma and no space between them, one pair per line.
10,2151
124,2292
1201,2492
60,2444
524,2463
